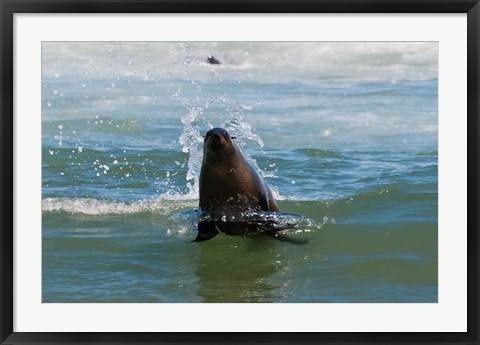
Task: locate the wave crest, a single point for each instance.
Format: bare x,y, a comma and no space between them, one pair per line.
164,205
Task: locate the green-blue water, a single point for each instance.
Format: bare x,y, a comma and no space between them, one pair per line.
350,142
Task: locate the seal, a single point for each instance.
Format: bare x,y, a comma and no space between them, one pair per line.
211,60
229,184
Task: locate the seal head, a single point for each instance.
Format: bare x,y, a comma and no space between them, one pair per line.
218,144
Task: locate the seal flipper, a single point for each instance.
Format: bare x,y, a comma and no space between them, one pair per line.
206,231
285,238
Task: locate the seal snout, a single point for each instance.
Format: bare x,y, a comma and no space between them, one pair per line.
216,139
216,142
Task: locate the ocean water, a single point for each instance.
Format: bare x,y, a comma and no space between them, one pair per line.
345,133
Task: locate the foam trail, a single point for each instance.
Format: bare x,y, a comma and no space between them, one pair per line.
164,205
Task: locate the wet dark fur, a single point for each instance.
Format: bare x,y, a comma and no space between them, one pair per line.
229,182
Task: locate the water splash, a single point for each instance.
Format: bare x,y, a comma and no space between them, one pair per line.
241,128
245,134
190,138
279,220
197,120
191,141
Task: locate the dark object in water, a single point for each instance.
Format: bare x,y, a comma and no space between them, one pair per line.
211,60
229,184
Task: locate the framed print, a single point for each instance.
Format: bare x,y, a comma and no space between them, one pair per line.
198,172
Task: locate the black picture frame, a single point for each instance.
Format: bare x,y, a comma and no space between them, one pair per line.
10,7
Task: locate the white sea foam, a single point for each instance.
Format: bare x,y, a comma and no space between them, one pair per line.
248,61
164,205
